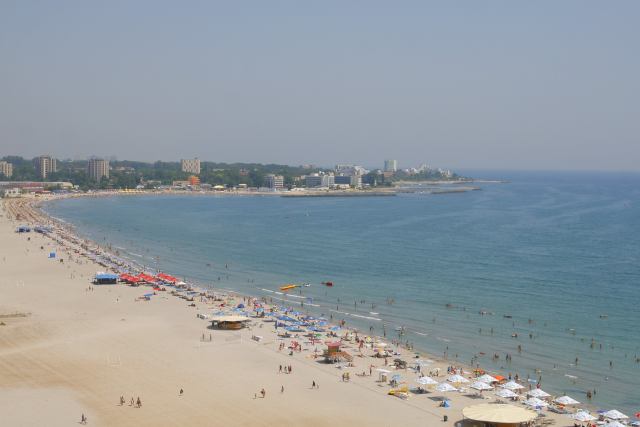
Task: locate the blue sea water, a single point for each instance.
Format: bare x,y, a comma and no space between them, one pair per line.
556,248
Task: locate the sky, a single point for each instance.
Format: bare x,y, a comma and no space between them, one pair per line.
452,84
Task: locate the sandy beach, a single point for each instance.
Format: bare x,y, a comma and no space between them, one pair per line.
66,350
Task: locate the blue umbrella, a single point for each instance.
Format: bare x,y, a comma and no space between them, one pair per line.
323,324
286,319
148,295
300,323
282,309
220,313
246,313
309,318
396,377
259,309
296,313
292,328
240,305
336,328
315,328
321,318
270,314
236,309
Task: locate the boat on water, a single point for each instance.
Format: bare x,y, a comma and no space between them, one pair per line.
286,288
306,284
328,283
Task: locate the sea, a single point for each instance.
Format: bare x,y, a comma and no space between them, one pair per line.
554,251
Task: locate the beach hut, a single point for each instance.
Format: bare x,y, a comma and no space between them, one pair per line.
105,279
333,354
24,229
495,414
230,322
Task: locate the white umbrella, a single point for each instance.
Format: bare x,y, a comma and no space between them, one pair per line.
487,379
534,401
566,400
445,387
457,379
616,415
479,385
511,385
538,393
616,424
582,416
505,393
426,381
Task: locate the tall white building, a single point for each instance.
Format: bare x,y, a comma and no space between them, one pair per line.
45,165
274,181
6,169
318,180
390,165
190,165
98,168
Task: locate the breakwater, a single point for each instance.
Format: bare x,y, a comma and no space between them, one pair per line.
334,194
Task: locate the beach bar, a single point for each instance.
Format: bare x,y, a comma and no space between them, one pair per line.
230,322
497,415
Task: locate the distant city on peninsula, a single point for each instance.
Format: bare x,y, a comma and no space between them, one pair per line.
46,173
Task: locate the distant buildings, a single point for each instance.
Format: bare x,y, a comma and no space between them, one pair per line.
190,165
194,180
98,168
45,165
390,165
6,169
274,181
308,166
320,180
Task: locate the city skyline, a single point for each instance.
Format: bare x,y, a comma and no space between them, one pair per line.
496,85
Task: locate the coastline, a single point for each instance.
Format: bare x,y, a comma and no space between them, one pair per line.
424,407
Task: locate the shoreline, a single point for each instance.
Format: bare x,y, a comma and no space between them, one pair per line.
438,361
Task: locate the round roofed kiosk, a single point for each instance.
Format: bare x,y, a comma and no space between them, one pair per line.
497,415
230,322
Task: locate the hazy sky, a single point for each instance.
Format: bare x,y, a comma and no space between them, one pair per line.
481,84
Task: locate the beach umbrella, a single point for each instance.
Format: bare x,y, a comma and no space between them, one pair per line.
487,379
615,424
426,381
308,318
262,309
282,309
299,323
457,379
292,328
582,416
314,328
396,377
246,313
296,313
147,295
445,387
240,305
479,385
505,393
534,401
616,415
511,385
270,314
538,393
336,328
220,313
498,377
236,309
286,318
323,324
566,400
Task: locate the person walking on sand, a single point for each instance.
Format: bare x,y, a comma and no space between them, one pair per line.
131,404
181,391
282,390
139,402
263,393
313,385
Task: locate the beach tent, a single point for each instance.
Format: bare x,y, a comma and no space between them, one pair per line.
447,404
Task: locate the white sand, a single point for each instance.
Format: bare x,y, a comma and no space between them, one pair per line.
54,361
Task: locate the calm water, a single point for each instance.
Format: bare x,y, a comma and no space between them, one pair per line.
557,248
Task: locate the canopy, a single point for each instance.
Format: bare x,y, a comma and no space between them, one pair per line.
487,379
426,381
457,379
566,400
582,416
479,385
505,393
498,413
445,387
231,319
534,401
511,385
536,392
616,415
107,276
